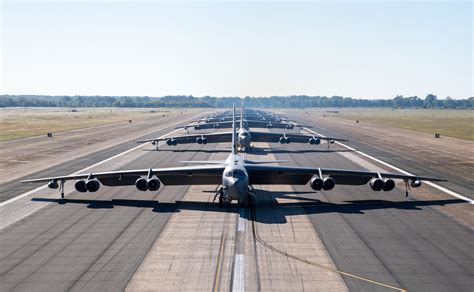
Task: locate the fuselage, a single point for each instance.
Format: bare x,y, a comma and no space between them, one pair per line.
244,138
235,179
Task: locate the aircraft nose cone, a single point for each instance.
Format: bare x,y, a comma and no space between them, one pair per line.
234,188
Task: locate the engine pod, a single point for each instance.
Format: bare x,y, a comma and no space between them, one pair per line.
80,186
141,184
153,184
93,185
389,184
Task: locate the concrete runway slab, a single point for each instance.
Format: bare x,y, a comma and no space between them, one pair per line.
98,241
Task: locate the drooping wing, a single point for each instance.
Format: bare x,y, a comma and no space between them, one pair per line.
186,175
188,139
268,174
294,138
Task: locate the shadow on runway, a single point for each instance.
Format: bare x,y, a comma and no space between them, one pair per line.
269,210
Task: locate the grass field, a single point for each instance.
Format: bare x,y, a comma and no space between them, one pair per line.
451,123
26,122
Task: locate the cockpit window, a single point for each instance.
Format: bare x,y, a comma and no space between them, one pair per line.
235,173
238,173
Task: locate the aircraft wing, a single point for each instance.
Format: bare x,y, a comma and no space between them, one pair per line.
296,138
185,175
269,174
187,139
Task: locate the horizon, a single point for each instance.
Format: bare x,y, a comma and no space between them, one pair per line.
363,50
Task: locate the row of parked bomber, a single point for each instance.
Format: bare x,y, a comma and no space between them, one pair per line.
245,120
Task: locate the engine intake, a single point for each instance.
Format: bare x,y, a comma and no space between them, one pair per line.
328,183
153,184
141,184
92,185
314,141
201,140
415,183
80,186
53,184
316,183
377,184
388,184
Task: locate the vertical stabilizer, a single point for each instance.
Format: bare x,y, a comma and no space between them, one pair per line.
234,146
242,116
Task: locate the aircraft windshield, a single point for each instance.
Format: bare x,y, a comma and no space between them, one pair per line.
236,173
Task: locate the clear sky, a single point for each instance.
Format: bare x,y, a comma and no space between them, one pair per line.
359,49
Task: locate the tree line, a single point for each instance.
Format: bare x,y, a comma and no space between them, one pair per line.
293,101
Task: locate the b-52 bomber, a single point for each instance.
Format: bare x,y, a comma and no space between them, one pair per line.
245,137
235,175
254,120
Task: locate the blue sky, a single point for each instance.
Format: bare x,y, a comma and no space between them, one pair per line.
359,49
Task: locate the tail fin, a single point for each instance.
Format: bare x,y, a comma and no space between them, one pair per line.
242,115
234,146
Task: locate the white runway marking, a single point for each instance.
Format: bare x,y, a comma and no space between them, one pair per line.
82,170
242,222
443,189
238,284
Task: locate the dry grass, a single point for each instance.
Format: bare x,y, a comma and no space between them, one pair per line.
26,122
451,123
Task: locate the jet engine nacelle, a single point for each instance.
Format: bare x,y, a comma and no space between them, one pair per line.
92,185
141,184
80,186
316,183
328,183
314,141
197,127
171,142
331,141
415,183
153,184
201,140
377,184
285,140
388,184
53,184
289,126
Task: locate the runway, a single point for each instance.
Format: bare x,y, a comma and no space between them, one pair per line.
177,239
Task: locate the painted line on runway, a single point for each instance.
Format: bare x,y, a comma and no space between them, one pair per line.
220,260
443,189
242,221
82,170
238,284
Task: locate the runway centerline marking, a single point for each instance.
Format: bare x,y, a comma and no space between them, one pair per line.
436,186
238,280
82,170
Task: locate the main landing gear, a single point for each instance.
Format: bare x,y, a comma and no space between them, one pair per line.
220,193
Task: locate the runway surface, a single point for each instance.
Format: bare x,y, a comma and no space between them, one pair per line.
177,238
